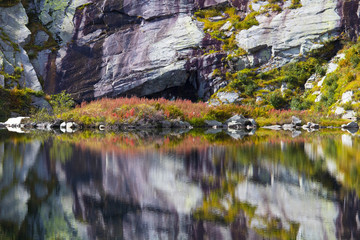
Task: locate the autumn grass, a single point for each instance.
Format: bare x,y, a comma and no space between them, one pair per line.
141,110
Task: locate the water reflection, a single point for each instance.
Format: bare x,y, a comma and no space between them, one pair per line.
179,186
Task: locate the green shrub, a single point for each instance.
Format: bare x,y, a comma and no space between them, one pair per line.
61,102
298,103
277,100
218,115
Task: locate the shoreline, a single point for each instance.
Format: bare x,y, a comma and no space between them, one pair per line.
235,123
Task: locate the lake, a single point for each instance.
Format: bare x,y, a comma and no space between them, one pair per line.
173,185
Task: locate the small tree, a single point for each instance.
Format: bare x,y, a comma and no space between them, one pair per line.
61,102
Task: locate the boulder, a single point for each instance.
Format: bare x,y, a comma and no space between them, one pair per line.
351,115
311,125
289,127
351,125
228,97
240,122
180,124
339,110
295,121
56,123
69,127
273,127
347,97
40,38
15,121
213,124
44,126
165,124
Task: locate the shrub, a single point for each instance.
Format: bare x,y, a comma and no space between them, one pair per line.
298,103
277,100
61,102
218,115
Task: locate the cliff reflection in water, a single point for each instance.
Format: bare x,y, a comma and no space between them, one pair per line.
179,186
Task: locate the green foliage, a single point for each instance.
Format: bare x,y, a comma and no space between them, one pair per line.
213,27
220,115
295,4
8,3
61,102
296,74
17,101
244,82
174,112
277,100
298,103
41,115
348,106
197,122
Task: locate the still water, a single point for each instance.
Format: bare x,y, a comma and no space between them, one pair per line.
90,185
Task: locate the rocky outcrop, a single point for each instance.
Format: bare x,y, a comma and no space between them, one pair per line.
156,48
14,60
293,32
138,48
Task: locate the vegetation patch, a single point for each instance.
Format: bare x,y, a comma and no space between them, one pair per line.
16,101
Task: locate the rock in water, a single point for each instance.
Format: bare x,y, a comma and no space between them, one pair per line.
351,125
213,124
295,121
240,122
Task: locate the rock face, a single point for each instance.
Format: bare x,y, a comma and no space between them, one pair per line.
13,58
293,32
156,48
131,48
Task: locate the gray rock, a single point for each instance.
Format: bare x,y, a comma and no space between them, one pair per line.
282,34
296,133
2,80
180,124
347,97
273,127
226,26
40,62
237,134
213,131
29,78
228,97
295,121
148,71
40,102
240,122
165,124
311,125
288,127
40,38
44,126
13,22
213,124
350,125
339,110
351,115
217,18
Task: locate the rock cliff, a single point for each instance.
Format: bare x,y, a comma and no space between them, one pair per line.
158,48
